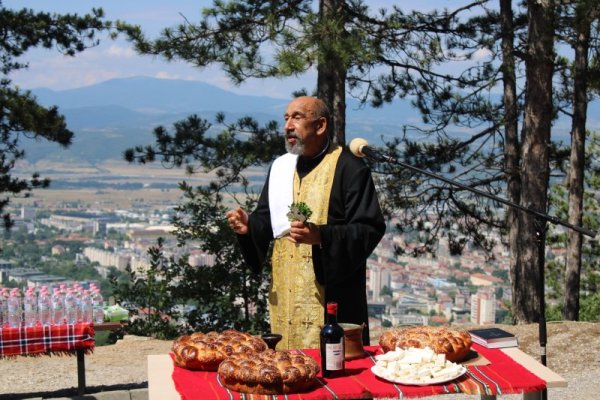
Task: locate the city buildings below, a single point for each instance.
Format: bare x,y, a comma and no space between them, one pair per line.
460,316
20,275
402,289
483,307
27,213
408,290
107,258
57,250
50,281
81,222
35,278
380,277
408,319
198,258
479,279
152,233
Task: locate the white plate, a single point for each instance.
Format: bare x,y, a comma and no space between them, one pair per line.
460,373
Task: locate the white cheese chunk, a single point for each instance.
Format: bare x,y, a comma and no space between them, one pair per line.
417,366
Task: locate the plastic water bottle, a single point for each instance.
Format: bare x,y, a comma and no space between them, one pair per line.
1,312
14,310
98,304
76,303
44,307
86,308
29,308
16,292
71,307
4,295
58,308
92,289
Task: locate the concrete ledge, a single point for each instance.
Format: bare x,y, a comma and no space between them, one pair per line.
139,394
134,394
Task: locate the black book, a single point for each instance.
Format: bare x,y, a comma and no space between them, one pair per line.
493,337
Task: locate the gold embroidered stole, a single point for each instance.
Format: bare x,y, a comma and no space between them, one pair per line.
296,299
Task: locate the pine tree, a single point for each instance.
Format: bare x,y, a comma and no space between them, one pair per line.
21,117
578,19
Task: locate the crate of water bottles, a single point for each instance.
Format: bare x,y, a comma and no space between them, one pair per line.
48,307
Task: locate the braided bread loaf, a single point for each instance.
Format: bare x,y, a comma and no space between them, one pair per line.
205,351
270,372
454,344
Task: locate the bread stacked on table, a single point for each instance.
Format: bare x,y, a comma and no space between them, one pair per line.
269,372
454,344
205,351
244,363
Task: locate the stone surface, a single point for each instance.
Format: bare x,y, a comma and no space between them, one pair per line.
139,394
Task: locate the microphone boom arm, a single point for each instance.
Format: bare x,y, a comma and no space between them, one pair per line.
374,155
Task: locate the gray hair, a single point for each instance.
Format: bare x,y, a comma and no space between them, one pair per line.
322,111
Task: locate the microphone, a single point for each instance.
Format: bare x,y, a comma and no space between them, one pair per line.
360,148
357,145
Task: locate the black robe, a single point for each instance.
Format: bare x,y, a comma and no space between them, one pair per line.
355,225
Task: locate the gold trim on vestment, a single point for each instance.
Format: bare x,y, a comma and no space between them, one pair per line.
296,299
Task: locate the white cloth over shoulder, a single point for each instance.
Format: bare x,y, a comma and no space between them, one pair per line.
281,192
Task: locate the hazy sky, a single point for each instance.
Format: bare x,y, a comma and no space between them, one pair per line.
115,59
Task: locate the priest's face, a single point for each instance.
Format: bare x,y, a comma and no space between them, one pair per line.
305,127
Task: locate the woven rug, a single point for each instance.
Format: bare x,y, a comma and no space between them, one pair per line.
500,375
43,340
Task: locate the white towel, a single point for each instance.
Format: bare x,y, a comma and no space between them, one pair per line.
281,192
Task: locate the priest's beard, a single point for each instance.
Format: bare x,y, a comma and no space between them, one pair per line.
296,148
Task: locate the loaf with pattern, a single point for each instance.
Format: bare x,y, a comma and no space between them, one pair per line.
205,351
270,372
453,343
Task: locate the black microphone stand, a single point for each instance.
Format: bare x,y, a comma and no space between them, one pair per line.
540,223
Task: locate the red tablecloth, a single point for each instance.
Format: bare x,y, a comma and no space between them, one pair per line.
39,340
502,375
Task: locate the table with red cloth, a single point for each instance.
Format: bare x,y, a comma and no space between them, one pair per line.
41,340
502,375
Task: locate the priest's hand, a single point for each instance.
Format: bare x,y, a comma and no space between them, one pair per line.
238,221
305,233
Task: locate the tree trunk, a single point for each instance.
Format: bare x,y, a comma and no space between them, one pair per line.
511,139
331,79
577,162
528,290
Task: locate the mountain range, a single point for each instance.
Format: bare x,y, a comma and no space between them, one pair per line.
113,115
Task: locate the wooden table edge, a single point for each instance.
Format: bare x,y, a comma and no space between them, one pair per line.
552,379
160,383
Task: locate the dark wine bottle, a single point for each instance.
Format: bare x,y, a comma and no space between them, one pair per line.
332,345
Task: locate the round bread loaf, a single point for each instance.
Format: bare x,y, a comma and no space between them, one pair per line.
270,372
205,351
454,344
